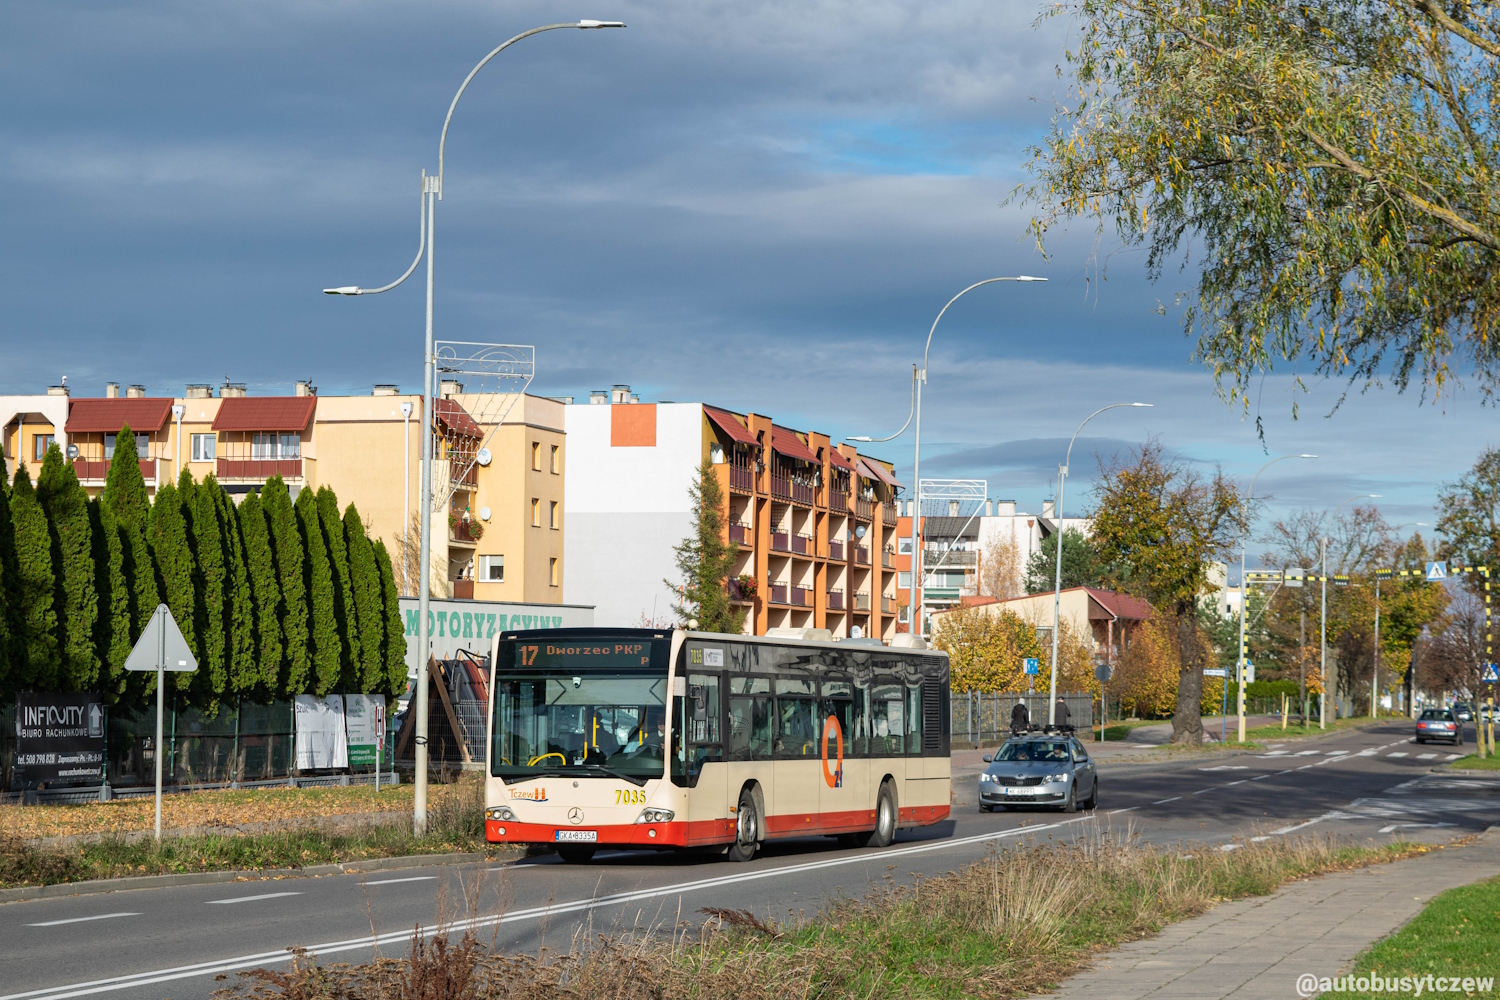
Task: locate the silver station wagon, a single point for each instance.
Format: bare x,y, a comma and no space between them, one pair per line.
1039,770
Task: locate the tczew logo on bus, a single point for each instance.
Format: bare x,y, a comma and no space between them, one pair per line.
537,794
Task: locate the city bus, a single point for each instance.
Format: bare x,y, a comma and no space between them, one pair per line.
676,739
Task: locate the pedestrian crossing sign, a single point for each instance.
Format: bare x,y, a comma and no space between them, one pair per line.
1437,571
1033,665
1491,674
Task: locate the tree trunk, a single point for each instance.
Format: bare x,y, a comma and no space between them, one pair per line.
1187,721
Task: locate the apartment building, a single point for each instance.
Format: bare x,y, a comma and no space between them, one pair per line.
498,466
814,524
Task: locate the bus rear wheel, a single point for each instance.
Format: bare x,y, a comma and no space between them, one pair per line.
574,854
746,829
885,820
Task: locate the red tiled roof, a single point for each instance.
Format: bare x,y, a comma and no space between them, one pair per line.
730,424
265,413
790,445
874,470
92,416
1120,605
454,417
837,458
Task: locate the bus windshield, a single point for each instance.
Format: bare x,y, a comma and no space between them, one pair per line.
583,705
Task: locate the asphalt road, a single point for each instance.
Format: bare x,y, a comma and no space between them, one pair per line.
173,942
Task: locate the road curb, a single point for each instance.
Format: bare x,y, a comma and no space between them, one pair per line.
91,886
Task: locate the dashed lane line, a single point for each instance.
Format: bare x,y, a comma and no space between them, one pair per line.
79,920
391,881
250,899
1398,755
1162,802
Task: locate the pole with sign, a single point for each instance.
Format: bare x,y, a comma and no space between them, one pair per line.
161,648
379,739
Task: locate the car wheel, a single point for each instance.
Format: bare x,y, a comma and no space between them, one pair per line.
1071,806
986,808
574,854
746,829
1420,741
1093,802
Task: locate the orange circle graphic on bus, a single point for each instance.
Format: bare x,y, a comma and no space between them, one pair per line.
834,778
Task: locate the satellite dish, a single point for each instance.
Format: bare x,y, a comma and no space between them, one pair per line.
72,451
484,513
856,633
484,457
859,532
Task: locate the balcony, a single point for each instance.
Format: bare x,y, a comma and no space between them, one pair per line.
861,602
804,493
802,543
888,513
886,555
801,597
739,534
461,531
781,541
934,556
836,550
835,600
888,605
781,487
778,593
89,471
837,502
861,555
741,479
941,595
259,468
863,509
739,594
463,589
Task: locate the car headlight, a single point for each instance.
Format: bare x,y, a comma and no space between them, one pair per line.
986,776
503,814
1053,779
655,816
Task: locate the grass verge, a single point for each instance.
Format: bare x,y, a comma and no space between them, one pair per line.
1275,732
1010,925
1455,936
455,824
1474,762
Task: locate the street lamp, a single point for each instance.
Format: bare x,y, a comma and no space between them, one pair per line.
1323,616
865,439
1239,674
432,192
1375,669
916,463
1062,475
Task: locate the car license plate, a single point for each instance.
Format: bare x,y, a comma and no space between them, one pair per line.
1020,791
576,836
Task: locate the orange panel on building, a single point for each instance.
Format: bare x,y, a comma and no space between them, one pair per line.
632,426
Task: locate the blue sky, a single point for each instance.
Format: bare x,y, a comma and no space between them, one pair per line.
762,205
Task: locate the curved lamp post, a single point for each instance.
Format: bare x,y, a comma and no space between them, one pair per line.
1239,673
432,192
1062,475
1323,617
864,439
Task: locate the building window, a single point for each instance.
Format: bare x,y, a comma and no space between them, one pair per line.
142,446
536,456
268,446
536,513
556,460
554,514
491,569
552,571
44,441
903,615
205,446
903,580
903,545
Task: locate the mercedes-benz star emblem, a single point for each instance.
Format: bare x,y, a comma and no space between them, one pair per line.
575,815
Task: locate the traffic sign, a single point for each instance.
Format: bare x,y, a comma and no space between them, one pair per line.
1491,674
1214,671
161,646
1033,665
1103,672
379,721
1437,571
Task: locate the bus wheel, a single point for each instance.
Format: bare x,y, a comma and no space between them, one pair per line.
574,854
746,829
885,818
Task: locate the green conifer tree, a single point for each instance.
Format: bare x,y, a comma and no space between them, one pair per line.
76,593
393,648
239,600
344,607
172,560
11,650
327,649
290,552
36,587
112,638
124,487
265,589
705,559
364,580
209,577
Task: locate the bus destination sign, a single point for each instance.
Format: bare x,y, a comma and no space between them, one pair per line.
568,656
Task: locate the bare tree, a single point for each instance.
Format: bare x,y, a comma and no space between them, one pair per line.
1001,570
1454,656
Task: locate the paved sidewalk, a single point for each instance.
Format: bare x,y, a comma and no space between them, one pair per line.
1256,948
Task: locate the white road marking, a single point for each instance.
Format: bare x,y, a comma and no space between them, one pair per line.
389,881
79,920
1336,753
1162,802
1397,826
1426,756
1398,755
1227,767
1368,753
1240,782
1260,777
1454,756
1305,753
1274,753
250,899
403,937
1125,810
1229,847
1202,790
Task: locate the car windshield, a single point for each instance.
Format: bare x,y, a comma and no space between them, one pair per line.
1440,714
1022,750
604,725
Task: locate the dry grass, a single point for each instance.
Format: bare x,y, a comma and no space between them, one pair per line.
1010,925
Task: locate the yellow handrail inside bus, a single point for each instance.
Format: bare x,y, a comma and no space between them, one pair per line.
536,760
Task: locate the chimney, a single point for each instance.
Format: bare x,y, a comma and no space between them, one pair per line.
57,390
199,390
620,394
232,390
306,388
952,508
1005,508
135,392
386,390
989,508
450,387
1048,506
111,390
598,397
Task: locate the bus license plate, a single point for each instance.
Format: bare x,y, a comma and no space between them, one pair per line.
576,836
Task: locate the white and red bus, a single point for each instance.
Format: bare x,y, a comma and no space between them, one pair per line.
642,738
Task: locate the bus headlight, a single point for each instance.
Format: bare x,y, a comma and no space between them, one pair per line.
656,816
503,814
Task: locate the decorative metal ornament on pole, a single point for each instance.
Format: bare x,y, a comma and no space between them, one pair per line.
161,648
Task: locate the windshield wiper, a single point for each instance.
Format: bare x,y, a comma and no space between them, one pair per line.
616,774
568,772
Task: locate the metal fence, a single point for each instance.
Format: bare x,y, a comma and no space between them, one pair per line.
985,715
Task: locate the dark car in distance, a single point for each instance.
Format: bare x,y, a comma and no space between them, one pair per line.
1439,724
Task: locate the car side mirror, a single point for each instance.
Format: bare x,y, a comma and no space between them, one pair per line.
988,758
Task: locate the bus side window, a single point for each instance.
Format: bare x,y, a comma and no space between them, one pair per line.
887,721
749,727
914,719
861,721
795,734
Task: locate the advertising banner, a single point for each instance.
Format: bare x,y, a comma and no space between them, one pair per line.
321,742
360,717
59,739
471,625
